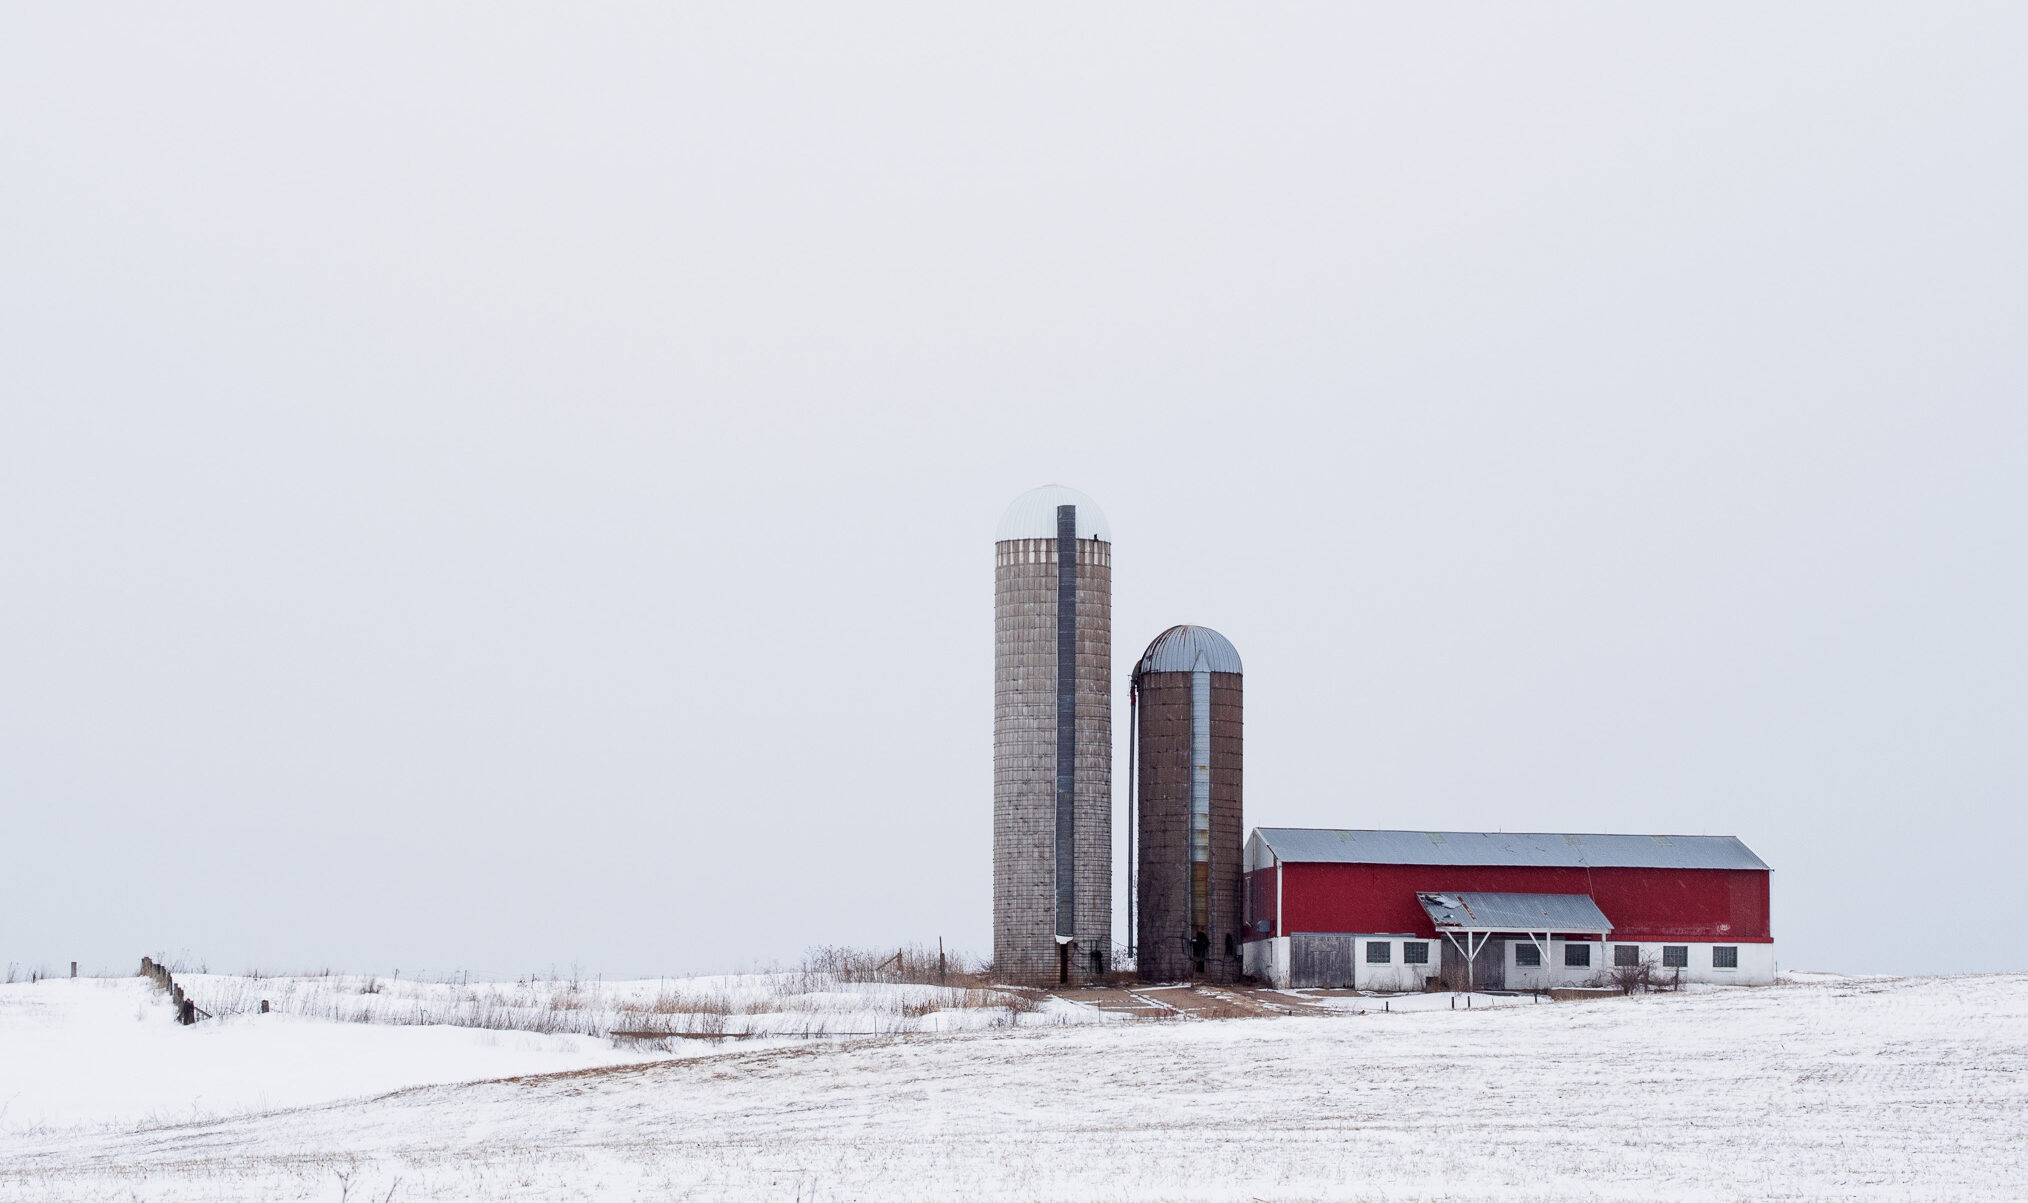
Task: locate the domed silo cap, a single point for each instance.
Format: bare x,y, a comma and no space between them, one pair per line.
1033,515
1186,649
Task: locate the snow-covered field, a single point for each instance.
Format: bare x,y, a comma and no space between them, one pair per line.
1828,1089
103,1051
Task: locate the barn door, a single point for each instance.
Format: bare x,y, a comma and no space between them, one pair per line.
1320,961
1489,968
1451,969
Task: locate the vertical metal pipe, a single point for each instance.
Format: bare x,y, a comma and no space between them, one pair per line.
1133,811
1066,721
1200,800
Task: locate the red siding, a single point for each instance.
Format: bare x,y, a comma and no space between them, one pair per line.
1643,904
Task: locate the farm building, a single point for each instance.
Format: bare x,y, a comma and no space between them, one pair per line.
1388,910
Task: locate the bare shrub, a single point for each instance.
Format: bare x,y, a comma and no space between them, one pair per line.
1642,976
910,963
705,1011
1020,1001
676,1003
916,1008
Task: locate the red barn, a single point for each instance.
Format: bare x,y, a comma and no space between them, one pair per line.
1387,910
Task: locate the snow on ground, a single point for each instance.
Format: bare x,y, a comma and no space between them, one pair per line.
103,1051
1359,1004
1840,1089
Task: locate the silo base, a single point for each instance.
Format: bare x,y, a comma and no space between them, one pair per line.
1065,964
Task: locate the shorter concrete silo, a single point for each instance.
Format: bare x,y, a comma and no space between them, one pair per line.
1187,793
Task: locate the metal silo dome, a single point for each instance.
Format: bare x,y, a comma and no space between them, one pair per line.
1180,650
1033,515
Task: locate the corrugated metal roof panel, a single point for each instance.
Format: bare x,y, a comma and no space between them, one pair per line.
1033,515
1474,911
1357,847
1181,649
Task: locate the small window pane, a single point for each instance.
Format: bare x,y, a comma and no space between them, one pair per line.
1724,956
1415,952
1675,956
1577,956
1379,952
1627,956
1527,954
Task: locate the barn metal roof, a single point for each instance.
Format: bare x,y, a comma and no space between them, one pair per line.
1033,515
1473,911
1553,850
1186,649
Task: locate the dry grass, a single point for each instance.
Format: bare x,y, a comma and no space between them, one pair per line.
837,991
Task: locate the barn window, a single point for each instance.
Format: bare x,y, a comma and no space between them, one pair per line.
1380,952
1577,956
1415,952
1675,956
1626,956
1725,956
1527,954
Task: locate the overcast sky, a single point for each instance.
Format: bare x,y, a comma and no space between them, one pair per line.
495,487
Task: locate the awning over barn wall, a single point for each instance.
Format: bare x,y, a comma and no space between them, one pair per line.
1476,912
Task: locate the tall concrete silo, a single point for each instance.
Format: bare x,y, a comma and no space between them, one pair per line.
1052,740
1187,758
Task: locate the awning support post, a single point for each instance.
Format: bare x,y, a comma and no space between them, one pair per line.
1471,948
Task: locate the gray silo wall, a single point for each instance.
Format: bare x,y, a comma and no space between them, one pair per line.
1162,909
1024,761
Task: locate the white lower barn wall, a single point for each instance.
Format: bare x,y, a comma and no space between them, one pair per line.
1755,963
1266,961
1554,969
1394,974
